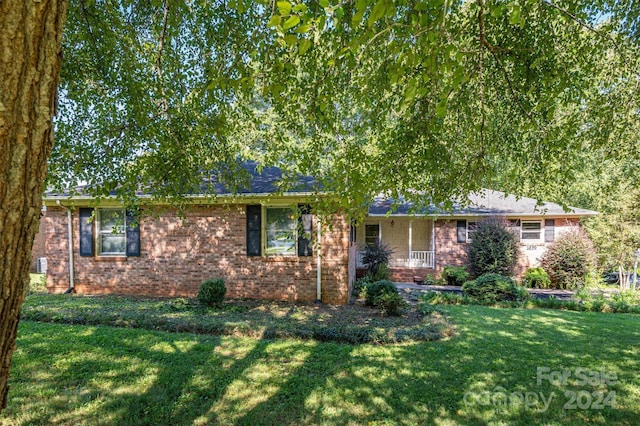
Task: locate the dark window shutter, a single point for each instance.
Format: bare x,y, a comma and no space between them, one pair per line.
254,231
86,231
305,227
549,230
462,231
133,234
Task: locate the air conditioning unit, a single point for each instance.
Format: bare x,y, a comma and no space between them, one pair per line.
41,265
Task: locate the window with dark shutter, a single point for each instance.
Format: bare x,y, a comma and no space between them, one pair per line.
132,233
461,226
305,228
549,230
86,231
254,232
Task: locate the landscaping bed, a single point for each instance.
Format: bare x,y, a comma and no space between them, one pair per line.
250,318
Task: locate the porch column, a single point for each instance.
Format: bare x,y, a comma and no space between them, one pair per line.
410,243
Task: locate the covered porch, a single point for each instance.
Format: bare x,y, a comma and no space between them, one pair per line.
411,239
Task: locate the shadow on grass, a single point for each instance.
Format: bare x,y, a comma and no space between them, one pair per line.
77,374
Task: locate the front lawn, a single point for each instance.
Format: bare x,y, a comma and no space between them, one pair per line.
75,374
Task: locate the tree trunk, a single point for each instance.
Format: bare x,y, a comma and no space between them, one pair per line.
30,58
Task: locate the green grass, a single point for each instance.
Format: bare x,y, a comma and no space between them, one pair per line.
347,324
71,374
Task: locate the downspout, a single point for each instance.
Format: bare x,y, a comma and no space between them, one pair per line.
70,241
319,265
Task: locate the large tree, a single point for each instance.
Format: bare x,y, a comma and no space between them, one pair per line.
425,99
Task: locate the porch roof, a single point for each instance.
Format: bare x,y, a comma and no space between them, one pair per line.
486,202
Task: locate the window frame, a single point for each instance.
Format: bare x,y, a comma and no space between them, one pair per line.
378,236
469,232
100,232
540,231
265,235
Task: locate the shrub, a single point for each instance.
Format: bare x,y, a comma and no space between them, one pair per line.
360,286
455,275
375,256
382,273
493,249
536,278
212,292
494,288
377,289
570,260
391,304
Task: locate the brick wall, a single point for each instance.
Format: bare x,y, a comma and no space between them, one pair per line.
177,255
38,249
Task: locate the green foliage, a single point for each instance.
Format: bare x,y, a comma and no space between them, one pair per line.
536,278
390,304
37,283
430,279
455,275
376,259
443,298
377,289
382,273
212,292
360,286
494,248
494,288
570,260
248,318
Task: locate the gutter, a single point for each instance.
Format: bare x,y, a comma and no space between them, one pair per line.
319,266
71,288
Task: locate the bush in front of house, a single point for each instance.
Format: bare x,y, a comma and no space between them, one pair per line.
375,258
570,260
377,289
494,288
390,304
536,278
212,292
493,249
455,275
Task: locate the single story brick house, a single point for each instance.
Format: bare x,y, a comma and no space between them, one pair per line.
266,244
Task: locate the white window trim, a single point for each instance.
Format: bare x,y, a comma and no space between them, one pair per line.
99,233
468,237
530,240
264,231
379,224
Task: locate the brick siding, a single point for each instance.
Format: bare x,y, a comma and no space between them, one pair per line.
177,255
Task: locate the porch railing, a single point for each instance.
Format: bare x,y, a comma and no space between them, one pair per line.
417,259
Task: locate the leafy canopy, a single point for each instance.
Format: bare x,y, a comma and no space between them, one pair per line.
422,99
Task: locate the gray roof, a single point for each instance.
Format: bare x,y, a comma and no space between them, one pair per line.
268,180
483,203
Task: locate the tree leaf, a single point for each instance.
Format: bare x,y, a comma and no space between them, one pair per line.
291,22
305,44
284,7
274,21
377,12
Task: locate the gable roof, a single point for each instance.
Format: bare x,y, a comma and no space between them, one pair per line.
260,182
482,203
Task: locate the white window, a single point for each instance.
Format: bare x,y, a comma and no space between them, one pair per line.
280,231
471,228
531,231
372,235
111,232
